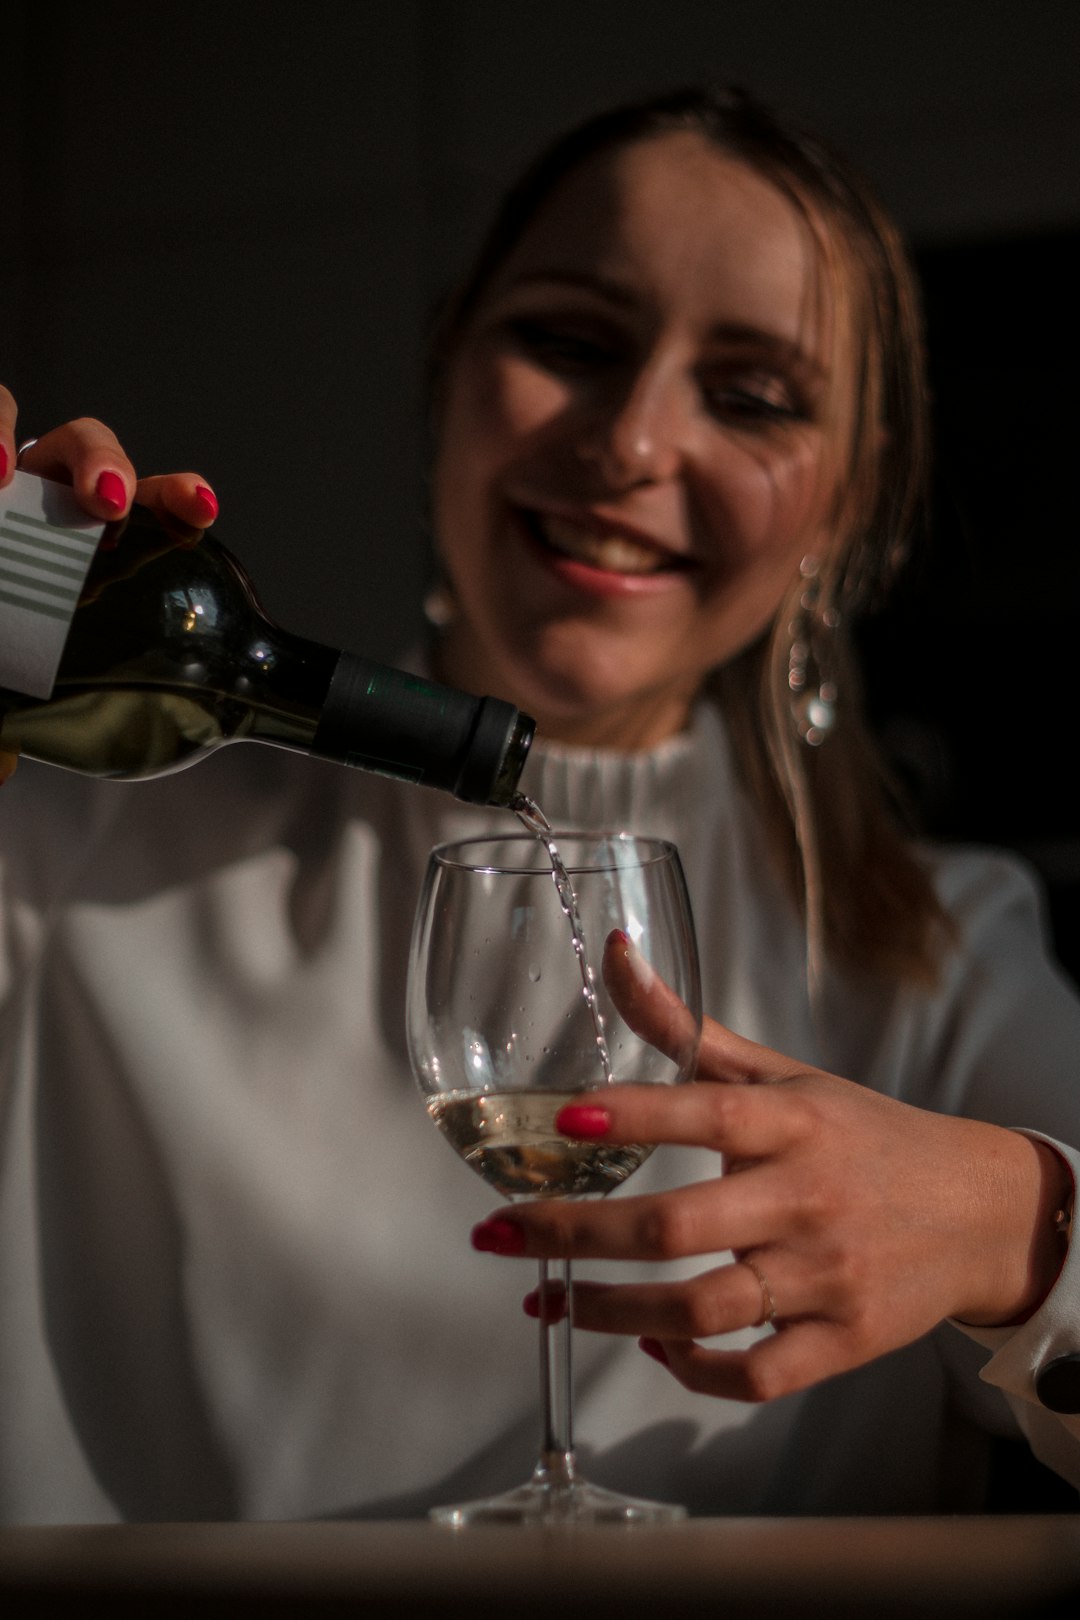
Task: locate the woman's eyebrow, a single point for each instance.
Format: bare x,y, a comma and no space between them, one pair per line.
779,349
604,286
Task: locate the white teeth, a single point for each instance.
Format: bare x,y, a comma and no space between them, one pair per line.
615,552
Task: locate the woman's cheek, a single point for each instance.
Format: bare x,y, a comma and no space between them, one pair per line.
523,401
781,500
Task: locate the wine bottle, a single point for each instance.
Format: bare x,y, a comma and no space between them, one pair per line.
168,655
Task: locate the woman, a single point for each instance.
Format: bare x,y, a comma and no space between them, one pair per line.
680,436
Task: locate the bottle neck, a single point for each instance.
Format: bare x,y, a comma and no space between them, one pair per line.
283,680
396,724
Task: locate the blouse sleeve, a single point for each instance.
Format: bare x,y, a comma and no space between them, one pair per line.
1050,1337
1008,1051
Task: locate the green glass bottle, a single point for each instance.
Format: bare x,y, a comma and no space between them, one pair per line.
169,655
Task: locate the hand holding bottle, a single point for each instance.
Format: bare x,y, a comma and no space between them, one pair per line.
88,456
133,653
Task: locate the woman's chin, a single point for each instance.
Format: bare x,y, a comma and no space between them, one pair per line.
628,721
577,694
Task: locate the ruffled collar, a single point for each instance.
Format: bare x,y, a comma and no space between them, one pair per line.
655,791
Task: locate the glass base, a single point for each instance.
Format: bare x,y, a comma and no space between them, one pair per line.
556,1494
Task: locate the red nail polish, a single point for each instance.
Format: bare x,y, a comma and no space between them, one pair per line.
553,1308
653,1347
111,490
583,1120
206,501
5,460
498,1236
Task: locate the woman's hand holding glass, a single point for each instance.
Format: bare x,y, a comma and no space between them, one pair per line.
858,1222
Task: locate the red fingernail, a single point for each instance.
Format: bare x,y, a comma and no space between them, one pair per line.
583,1120
554,1309
498,1236
111,490
653,1347
5,460
206,501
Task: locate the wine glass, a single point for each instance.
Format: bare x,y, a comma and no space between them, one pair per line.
507,1021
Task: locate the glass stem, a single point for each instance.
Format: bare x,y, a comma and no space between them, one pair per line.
556,1464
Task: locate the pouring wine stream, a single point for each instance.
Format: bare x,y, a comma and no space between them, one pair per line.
533,819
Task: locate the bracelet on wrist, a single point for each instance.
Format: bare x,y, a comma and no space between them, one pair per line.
1058,1383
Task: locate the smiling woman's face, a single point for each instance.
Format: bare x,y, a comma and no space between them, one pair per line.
642,432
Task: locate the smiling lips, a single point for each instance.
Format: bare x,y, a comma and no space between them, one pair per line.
613,551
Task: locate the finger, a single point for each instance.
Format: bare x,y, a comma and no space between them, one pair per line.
767,1284
781,1364
183,502
88,456
750,1122
655,1012
8,416
547,1304
718,1301
737,1212
649,1006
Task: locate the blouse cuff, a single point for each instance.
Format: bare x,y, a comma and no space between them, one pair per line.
1039,1360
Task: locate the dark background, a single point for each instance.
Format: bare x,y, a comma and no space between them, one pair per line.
223,226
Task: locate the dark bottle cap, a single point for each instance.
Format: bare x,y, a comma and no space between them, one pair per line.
396,724
492,763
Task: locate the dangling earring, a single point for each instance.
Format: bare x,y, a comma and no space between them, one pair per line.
440,606
813,691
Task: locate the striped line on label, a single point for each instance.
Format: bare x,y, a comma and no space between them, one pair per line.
42,567
77,547
44,610
31,564
36,545
52,529
66,590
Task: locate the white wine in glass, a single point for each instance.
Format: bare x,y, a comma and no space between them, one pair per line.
507,1023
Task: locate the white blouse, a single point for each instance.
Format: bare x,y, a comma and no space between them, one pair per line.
235,1273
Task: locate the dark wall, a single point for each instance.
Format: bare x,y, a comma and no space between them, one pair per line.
973,669
219,255
223,227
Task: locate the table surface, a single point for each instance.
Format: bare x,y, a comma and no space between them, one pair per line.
730,1569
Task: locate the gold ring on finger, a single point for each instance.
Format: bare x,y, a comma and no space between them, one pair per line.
768,1303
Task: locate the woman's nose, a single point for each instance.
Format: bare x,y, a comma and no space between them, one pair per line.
637,434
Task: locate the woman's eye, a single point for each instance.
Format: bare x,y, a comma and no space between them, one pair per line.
561,347
754,401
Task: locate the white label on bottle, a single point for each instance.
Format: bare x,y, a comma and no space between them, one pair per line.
47,543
